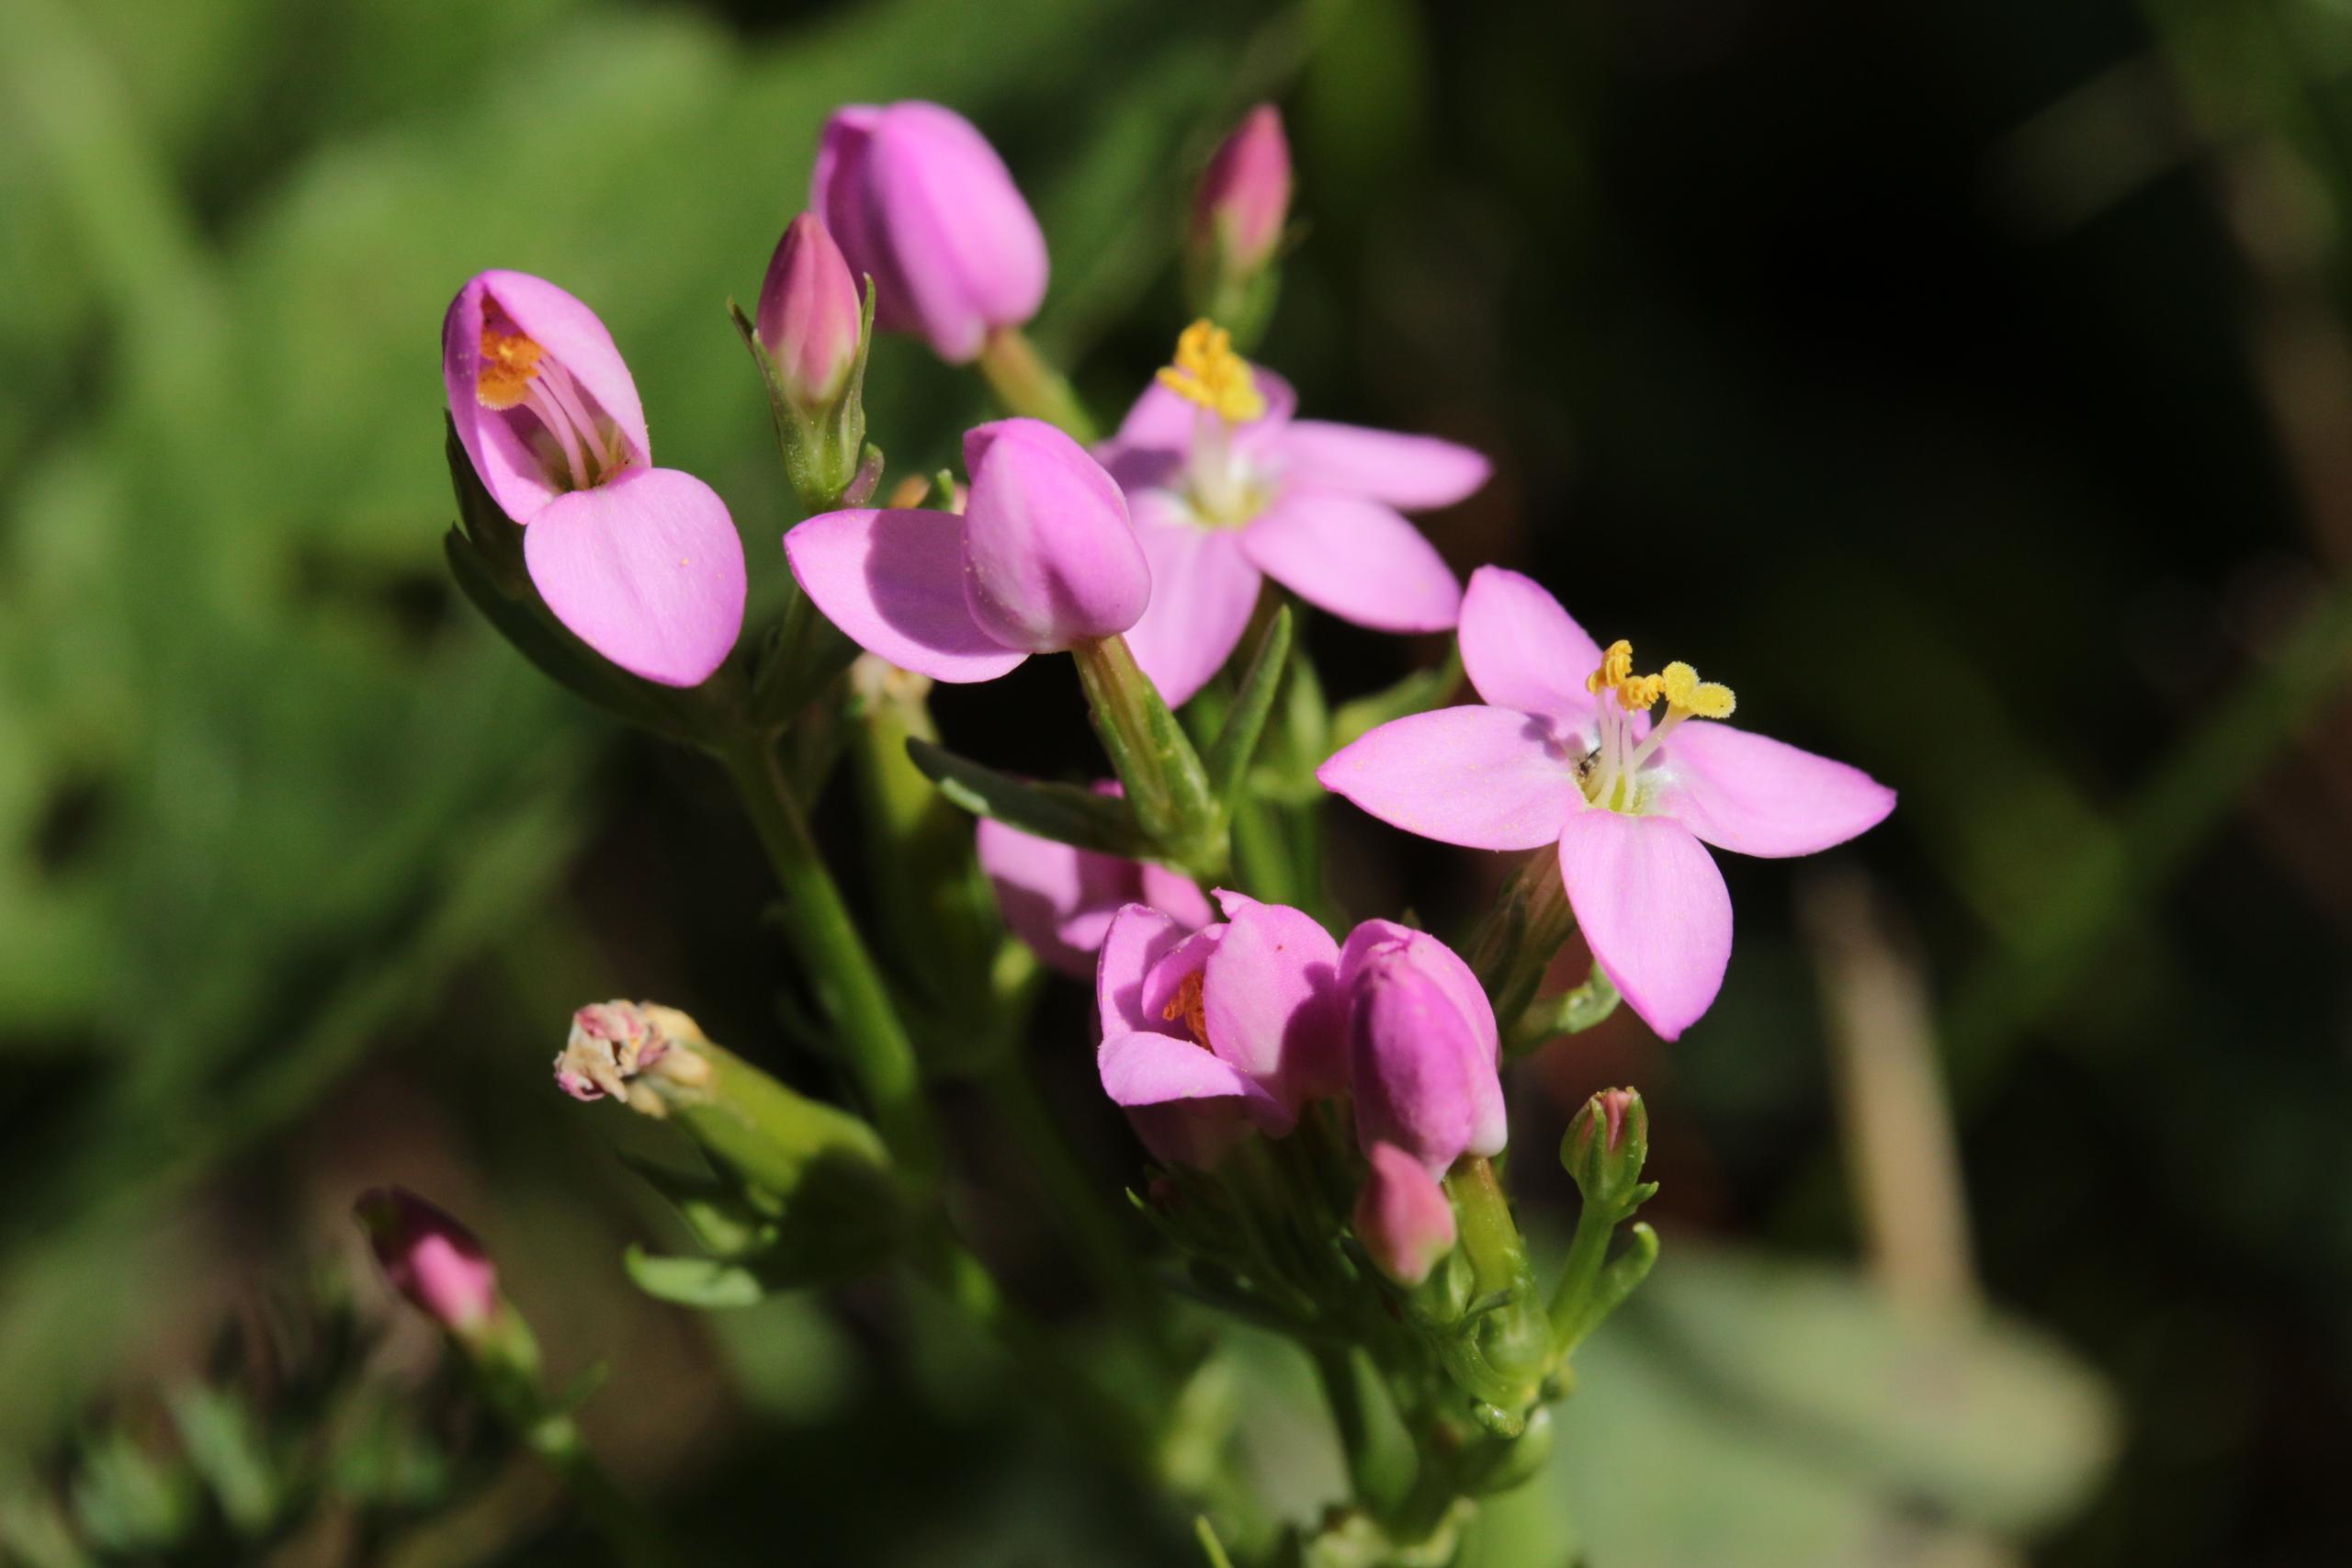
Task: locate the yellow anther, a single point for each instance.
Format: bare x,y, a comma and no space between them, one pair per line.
1685,692
1207,372
510,362
1616,668
1190,1004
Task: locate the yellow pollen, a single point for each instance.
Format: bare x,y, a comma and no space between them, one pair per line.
1685,693
510,362
1188,1005
1207,372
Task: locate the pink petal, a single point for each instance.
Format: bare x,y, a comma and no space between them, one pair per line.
962,242
1138,939
1412,473
573,336
1164,420
1177,896
1154,1069
1442,964
893,582
1653,905
1402,1216
645,568
839,193
503,461
1164,982
1486,778
1270,992
1755,795
1424,1066
1202,590
1050,559
1356,558
1198,1132
1053,896
1521,650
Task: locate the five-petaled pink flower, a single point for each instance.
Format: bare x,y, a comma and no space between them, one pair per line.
1565,752
1041,559
1059,899
1227,488
1208,1033
641,563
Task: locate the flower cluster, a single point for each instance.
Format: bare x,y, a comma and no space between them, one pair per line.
1324,1100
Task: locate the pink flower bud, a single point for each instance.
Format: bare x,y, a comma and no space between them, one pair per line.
1245,196
1051,560
809,314
920,201
1402,1216
1423,1047
430,1258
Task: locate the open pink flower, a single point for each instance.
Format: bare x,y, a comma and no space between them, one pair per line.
641,563
1240,1020
922,203
1227,488
1565,752
1041,559
1059,899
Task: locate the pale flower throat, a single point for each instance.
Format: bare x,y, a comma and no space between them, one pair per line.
1610,775
1217,381
518,373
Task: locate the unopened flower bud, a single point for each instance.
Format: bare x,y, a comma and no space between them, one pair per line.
1605,1148
1402,1216
919,202
809,317
430,1259
1245,196
1422,1046
1051,560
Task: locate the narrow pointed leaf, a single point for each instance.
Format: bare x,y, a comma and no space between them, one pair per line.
1253,702
1063,812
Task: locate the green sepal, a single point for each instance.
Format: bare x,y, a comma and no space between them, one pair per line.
821,448
1064,813
1253,703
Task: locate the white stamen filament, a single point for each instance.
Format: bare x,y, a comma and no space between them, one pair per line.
538,399
566,395
1215,481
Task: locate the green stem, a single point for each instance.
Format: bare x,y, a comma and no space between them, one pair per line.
637,1541
1166,784
1022,380
1579,1274
848,982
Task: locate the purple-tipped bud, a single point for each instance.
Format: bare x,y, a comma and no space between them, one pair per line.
1051,560
1422,1046
1245,196
1402,1216
919,201
430,1258
808,315
1605,1148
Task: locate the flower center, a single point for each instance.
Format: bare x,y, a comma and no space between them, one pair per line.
1188,1005
1610,774
1209,374
517,373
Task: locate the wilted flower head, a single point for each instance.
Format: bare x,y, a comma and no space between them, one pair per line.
642,564
613,1043
1041,559
1242,1016
1422,1048
1227,488
922,203
430,1258
1566,753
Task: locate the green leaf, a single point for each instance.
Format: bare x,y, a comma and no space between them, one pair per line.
1253,702
1063,812
218,1430
693,1282
1417,693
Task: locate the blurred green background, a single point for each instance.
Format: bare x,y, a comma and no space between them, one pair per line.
1970,386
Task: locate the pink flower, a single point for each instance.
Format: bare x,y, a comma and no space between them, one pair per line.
1421,1047
922,203
808,318
1227,489
641,563
1240,1020
430,1258
1245,196
1567,756
1402,1216
1059,899
1043,558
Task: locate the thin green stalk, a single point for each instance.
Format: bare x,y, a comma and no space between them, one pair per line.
1026,384
848,982
637,1540
1579,1273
